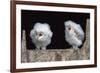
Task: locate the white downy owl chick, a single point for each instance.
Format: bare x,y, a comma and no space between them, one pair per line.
41,35
74,34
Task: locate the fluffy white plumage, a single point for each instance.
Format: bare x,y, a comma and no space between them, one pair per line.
41,35
74,34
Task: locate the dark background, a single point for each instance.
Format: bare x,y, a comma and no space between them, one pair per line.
55,20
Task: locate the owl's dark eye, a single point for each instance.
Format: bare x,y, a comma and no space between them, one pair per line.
69,28
40,34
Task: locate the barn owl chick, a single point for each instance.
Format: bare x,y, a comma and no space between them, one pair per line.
41,35
74,34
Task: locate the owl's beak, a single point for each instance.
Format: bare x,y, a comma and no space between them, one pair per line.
40,37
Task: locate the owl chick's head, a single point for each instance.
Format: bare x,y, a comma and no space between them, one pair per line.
69,26
41,31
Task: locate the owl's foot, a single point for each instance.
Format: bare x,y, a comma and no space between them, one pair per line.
37,48
43,48
75,48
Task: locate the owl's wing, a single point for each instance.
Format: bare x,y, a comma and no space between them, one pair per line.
50,33
79,32
32,33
